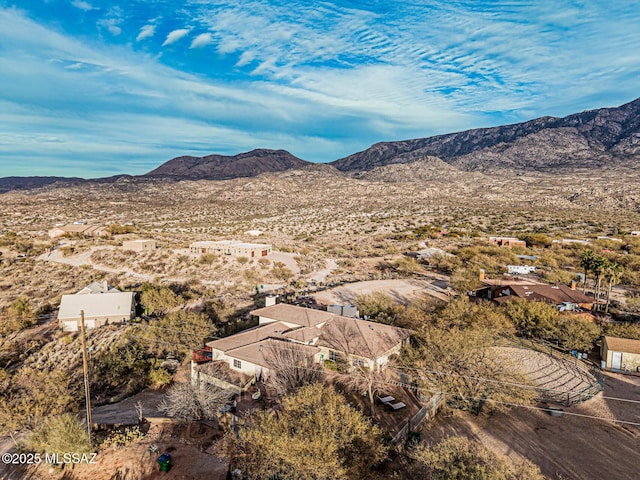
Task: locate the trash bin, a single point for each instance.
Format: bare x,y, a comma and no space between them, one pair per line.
164,461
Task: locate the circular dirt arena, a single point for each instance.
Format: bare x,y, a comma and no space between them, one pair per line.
557,378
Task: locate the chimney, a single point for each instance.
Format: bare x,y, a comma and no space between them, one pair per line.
270,300
481,275
573,284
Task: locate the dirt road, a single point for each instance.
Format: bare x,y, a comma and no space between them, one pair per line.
402,290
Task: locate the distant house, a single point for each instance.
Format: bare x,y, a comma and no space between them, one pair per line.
520,269
620,354
635,233
571,241
101,305
317,335
140,245
231,247
501,291
507,242
88,230
426,254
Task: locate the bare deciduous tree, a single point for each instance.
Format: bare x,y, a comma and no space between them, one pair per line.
292,366
363,379
189,402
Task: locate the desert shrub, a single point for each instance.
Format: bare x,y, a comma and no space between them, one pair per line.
242,260
117,229
458,458
176,333
532,319
157,299
122,437
316,435
559,277
60,434
407,266
33,395
19,315
576,333
158,376
123,367
624,330
379,307
208,259
280,271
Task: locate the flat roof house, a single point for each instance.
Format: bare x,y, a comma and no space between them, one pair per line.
620,354
102,305
507,242
140,245
231,247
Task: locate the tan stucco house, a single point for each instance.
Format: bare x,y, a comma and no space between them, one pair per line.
141,245
620,354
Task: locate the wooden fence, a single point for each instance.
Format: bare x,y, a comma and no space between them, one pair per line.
427,412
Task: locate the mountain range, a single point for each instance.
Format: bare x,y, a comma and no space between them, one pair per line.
605,138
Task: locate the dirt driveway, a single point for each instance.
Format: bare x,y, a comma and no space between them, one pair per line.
566,447
402,290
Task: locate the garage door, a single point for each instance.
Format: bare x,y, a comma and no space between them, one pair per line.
616,360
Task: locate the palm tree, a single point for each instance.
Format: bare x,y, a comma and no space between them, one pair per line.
599,265
586,262
613,273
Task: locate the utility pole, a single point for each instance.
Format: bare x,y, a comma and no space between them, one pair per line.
85,368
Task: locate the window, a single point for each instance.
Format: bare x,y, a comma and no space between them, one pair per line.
333,356
237,363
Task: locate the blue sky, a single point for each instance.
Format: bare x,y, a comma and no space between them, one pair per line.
100,87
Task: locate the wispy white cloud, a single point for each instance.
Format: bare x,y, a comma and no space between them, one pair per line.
82,5
146,32
176,35
320,79
112,21
201,40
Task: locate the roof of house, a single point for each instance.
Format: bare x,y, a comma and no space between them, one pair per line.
303,334
249,336
260,353
361,337
349,335
556,294
228,243
138,240
79,228
220,369
502,282
115,304
98,287
305,317
626,345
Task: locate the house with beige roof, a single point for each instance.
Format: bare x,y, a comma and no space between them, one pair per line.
88,230
139,245
231,247
620,354
317,336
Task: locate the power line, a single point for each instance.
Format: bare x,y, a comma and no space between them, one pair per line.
532,407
